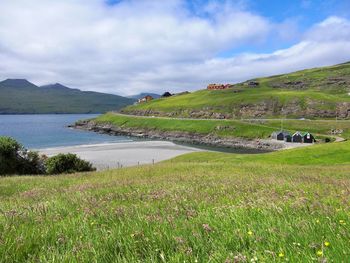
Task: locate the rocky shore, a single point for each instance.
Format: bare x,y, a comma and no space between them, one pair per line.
183,137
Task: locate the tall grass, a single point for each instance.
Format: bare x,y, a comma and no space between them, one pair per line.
203,207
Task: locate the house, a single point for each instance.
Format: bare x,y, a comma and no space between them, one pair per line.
288,138
145,99
297,137
280,135
166,94
218,86
253,84
308,138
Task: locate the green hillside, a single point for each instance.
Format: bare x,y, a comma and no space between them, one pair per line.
19,96
232,128
286,206
313,93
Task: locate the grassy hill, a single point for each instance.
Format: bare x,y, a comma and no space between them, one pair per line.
289,205
248,129
312,93
19,96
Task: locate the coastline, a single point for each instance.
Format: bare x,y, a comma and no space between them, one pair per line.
123,154
183,137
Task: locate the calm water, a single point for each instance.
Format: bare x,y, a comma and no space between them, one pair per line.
42,131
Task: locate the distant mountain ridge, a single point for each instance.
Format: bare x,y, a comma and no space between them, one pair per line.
57,86
19,96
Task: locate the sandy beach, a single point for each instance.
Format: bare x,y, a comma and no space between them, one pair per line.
113,155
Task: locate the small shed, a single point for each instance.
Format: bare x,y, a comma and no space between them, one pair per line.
280,135
253,84
308,138
166,94
297,137
288,138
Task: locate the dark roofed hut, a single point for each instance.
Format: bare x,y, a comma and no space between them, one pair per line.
297,137
280,135
308,138
288,138
253,84
166,94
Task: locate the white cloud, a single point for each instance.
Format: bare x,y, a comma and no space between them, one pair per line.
150,45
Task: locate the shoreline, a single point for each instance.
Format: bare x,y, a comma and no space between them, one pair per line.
106,156
262,145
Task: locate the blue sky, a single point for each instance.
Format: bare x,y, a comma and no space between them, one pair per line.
131,46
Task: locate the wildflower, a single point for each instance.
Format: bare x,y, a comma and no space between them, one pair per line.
206,227
254,259
319,253
250,232
342,222
327,244
281,254
317,221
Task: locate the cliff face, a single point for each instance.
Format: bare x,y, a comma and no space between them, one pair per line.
294,108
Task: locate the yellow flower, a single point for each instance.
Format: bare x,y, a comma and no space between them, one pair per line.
281,255
317,221
319,253
342,222
250,233
327,244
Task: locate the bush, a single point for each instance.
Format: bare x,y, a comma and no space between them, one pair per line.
9,158
67,163
15,159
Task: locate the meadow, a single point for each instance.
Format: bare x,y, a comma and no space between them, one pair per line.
287,206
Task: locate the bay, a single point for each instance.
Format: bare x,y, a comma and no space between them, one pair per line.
50,130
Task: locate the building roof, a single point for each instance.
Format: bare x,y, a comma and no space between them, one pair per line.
297,133
285,133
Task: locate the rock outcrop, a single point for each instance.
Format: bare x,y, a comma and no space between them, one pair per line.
265,109
184,137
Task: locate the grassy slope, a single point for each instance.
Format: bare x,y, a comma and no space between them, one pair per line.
317,89
205,206
238,128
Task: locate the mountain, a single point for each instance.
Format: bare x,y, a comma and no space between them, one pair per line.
19,96
57,86
312,93
141,95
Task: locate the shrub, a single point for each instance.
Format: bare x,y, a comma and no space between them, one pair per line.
15,159
9,157
67,163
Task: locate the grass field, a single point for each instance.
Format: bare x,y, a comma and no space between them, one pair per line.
235,128
203,207
321,89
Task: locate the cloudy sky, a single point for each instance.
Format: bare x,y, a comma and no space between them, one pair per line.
131,46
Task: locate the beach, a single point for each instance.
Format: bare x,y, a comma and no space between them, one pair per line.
123,154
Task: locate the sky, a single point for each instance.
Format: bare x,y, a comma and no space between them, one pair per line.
127,47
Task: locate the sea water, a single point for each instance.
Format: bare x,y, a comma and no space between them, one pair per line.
51,130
